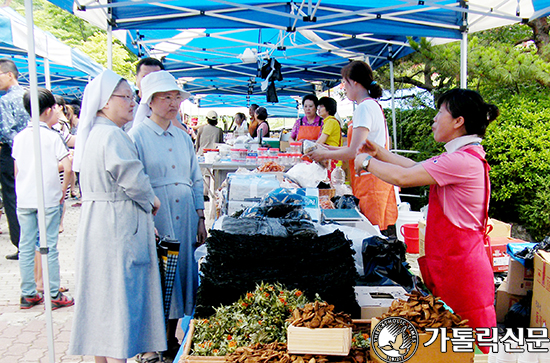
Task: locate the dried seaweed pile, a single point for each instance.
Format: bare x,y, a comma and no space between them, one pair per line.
235,264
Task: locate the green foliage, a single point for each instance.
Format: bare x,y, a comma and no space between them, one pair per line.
258,317
518,150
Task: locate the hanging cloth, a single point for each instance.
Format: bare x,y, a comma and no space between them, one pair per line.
455,266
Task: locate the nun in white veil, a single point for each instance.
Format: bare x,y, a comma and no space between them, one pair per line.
119,311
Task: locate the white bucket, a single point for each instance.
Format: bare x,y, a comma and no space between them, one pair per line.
404,216
504,357
527,357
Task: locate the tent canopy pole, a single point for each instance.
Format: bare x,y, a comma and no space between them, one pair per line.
39,178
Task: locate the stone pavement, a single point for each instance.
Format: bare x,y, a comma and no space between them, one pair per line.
23,336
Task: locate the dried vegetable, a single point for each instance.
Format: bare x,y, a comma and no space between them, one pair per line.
277,352
319,315
425,312
257,317
270,167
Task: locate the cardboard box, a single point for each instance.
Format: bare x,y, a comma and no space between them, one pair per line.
499,258
504,302
499,229
421,237
325,341
431,353
520,279
376,300
540,307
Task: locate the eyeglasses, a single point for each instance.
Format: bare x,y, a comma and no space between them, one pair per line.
128,98
170,99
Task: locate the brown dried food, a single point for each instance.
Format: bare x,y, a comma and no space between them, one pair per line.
319,315
270,167
277,352
425,312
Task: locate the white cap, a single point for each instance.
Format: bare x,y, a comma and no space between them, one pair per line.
161,81
212,115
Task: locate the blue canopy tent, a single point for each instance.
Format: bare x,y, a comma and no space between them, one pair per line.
63,69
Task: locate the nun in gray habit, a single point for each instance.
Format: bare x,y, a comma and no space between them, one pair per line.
118,310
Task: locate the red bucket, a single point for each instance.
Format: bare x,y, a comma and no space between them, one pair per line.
410,235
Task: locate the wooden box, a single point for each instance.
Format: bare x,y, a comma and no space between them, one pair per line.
325,341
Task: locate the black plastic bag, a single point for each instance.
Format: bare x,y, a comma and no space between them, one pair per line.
528,254
519,314
385,263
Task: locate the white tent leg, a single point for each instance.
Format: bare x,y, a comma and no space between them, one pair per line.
47,73
39,178
394,123
464,60
110,47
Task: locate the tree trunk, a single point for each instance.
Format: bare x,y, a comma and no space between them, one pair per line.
541,31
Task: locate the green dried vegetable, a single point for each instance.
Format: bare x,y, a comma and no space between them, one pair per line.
257,317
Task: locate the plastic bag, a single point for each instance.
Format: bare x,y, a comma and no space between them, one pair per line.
345,202
385,263
519,314
308,175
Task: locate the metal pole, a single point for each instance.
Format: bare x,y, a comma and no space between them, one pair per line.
110,47
394,122
464,60
39,178
47,73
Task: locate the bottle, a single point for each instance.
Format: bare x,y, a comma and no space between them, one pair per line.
338,176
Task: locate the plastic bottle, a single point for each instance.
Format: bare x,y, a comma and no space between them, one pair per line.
338,176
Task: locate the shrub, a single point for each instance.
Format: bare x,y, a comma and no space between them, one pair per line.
518,150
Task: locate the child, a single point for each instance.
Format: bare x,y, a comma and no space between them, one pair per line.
53,152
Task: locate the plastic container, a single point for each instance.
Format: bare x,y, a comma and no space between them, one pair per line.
410,235
262,151
210,155
281,158
295,147
242,155
503,357
235,155
262,159
251,160
404,216
273,152
338,176
527,357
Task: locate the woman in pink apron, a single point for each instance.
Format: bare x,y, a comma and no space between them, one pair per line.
455,266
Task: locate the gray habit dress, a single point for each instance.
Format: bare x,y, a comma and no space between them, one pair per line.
118,301
170,162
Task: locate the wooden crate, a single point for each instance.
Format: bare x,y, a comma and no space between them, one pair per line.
360,325
325,341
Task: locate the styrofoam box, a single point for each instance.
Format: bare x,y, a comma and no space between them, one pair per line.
255,185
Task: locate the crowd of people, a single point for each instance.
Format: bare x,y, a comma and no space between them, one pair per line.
135,158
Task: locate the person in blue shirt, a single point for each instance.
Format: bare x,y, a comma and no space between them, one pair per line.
13,119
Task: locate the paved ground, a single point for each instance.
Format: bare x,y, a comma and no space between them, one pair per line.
23,335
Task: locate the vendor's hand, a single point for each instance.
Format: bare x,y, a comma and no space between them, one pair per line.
359,162
201,233
156,206
368,147
319,154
